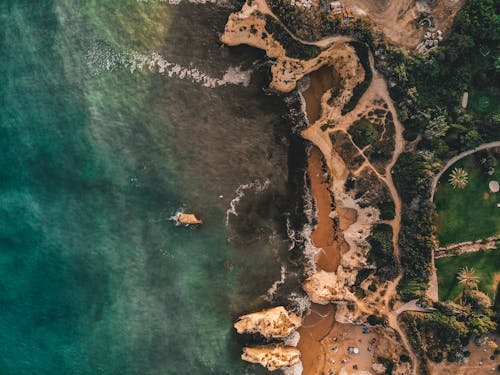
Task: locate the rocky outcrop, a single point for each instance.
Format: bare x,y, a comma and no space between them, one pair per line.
272,357
188,219
324,288
272,323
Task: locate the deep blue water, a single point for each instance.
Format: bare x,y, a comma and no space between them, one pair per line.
95,158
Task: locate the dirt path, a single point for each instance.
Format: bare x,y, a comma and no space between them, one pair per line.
377,89
458,157
353,220
433,290
261,6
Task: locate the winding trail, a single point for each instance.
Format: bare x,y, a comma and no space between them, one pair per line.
433,290
261,6
377,91
458,157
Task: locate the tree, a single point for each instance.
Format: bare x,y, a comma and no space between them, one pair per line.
467,278
459,178
437,127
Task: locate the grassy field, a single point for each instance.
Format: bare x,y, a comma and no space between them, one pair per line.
470,213
485,263
484,101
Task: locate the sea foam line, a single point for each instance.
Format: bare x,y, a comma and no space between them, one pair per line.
102,58
256,186
274,288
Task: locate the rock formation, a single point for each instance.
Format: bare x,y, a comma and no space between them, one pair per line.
272,357
188,219
272,323
324,287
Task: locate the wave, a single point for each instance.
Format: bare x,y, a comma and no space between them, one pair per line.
102,58
304,236
294,370
299,303
257,186
274,288
292,339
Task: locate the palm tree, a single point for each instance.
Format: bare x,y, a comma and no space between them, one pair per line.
459,178
467,278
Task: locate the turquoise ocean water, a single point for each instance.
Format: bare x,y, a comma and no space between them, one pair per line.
97,154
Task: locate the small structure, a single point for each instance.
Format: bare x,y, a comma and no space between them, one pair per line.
353,350
494,186
465,99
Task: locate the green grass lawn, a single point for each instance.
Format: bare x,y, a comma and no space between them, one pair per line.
485,263
484,101
470,213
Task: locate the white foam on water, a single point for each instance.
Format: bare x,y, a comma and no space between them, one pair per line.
257,186
292,339
274,288
101,58
294,370
310,250
300,303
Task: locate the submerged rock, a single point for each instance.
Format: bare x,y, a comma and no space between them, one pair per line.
272,357
272,323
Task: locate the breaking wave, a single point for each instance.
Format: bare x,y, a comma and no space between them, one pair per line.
299,303
256,186
102,58
294,370
274,288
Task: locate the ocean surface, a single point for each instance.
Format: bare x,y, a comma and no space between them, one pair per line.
115,115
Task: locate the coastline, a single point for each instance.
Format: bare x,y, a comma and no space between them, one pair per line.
344,214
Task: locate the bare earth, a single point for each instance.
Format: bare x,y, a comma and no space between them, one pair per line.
343,222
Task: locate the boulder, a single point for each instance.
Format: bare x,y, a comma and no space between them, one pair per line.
188,219
272,357
271,323
324,288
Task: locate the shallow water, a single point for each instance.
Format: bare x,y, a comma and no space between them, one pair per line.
98,154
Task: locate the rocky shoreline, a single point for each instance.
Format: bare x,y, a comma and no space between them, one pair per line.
342,215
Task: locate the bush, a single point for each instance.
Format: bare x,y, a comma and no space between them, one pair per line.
363,133
382,251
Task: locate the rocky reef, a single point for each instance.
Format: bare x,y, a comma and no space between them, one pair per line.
272,357
271,323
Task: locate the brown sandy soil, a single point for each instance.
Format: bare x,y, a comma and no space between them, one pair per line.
496,281
479,362
396,18
354,222
324,234
315,326
248,27
321,81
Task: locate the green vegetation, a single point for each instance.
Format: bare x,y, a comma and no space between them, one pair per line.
293,48
363,133
484,102
387,209
429,89
412,180
382,251
470,213
314,25
442,334
486,264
